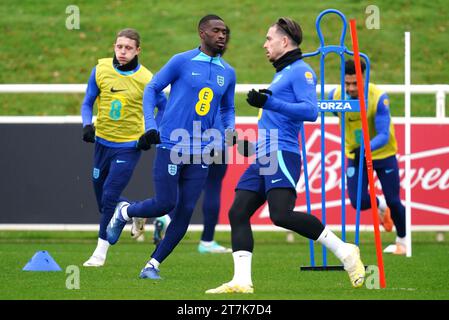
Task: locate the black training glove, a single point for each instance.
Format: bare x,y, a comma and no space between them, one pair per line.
356,153
89,133
258,99
148,138
230,137
245,148
266,91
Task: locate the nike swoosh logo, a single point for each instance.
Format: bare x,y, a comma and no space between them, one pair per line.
117,90
204,167
389,171
274,181
120,161
196,74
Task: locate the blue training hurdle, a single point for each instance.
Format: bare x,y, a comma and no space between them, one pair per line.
323,105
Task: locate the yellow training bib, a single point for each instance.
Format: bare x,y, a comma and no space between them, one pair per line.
120,112
353,126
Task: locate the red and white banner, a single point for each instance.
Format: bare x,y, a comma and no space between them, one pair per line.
429,176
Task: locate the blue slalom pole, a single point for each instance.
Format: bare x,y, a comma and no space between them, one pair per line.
362,153
323,162
359,192
306,182
342,154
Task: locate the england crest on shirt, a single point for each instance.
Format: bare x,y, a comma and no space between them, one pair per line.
96,173
172,169
220,81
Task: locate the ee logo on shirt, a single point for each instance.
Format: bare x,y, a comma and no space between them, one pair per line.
205,97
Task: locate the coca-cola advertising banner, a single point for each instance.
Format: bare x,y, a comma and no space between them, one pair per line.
429,175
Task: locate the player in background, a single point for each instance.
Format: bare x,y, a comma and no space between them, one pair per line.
384,148
285,105
117,85
202,89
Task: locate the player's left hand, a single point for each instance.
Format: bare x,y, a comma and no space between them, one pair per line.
258,98
147,139
89,133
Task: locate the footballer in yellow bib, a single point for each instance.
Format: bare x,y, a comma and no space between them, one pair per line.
383,147
116,85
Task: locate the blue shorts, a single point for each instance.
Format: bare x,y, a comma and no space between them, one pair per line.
280,169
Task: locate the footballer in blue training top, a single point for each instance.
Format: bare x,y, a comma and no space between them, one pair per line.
290,100
212,194
202,89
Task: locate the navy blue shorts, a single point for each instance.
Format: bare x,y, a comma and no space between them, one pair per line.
280,169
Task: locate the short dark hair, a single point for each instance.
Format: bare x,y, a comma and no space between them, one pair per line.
207,18
350,66
130,34
291,28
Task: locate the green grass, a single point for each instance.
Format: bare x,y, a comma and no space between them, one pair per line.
187,274
37,47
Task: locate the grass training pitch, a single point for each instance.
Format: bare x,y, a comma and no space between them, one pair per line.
187,274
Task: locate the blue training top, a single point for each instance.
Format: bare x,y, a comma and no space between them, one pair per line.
202,89
292,102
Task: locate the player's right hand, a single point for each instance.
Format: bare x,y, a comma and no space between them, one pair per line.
89,133
148,138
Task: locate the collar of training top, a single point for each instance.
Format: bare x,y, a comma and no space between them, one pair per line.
287,59
204,57
130,66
